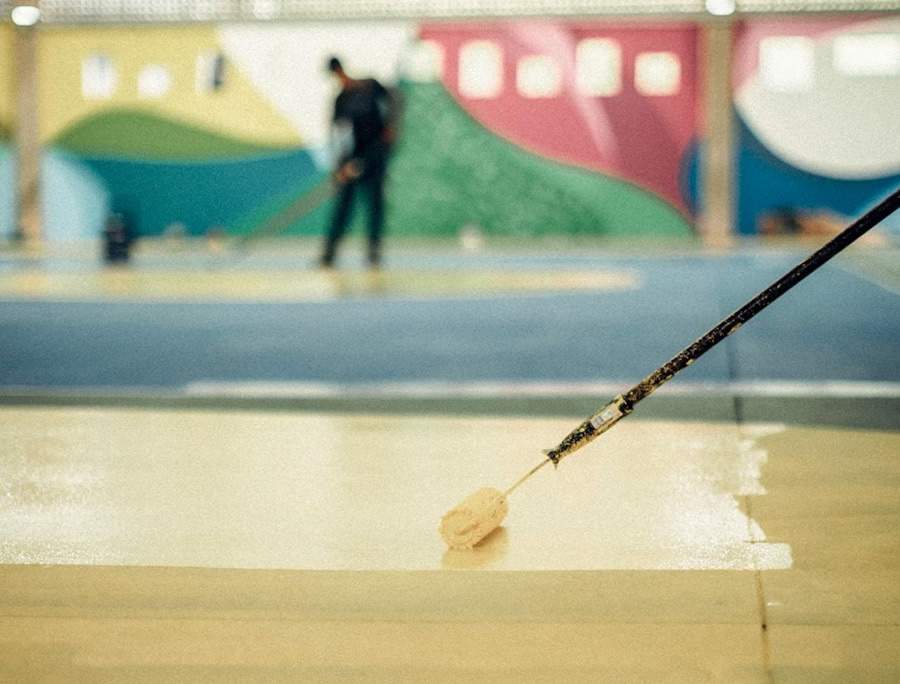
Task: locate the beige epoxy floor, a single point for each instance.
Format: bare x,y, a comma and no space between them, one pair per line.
333,492
221,280
825,497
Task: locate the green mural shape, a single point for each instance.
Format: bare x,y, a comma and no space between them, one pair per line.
449,171
133,134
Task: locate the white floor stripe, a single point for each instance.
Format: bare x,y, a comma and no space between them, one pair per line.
750,388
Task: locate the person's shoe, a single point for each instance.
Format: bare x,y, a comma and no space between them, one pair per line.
324,263
374,260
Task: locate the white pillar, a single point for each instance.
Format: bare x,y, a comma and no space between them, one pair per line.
26,136
717,170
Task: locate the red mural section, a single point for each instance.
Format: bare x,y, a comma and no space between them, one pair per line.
638,133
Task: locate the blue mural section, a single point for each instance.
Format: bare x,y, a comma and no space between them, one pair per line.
199,196
765,183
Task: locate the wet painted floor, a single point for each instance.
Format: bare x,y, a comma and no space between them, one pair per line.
260,517
152,545
332,492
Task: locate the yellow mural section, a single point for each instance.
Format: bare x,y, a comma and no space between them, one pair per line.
7,104
236,110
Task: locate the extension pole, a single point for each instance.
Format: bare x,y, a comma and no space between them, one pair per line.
481,513
624,404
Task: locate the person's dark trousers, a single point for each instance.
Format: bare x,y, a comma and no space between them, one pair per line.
371,183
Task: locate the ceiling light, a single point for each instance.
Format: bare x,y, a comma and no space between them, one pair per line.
720,8
25,15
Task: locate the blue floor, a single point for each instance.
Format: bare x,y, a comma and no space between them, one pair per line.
834,326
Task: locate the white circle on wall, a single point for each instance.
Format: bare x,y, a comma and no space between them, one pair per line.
154,81
841,122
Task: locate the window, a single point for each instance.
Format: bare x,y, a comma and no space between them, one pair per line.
657,74
787,63
425,61
210,74
871,54
154,81
538,76
98,77
598,67
264,9
480,69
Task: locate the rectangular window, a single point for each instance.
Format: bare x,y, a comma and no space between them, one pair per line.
598,67
871,54
480,69
98,77
154,81
538,76
657,74
787,63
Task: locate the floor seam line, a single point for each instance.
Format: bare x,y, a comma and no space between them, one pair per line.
761,606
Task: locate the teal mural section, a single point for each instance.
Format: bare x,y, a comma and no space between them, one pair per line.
196,197
7,192
162,175
448,172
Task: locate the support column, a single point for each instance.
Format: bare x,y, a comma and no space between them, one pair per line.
717,220
26,135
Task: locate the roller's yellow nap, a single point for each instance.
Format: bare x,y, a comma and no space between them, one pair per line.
475,518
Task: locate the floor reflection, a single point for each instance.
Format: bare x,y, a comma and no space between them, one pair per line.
224,281
489,551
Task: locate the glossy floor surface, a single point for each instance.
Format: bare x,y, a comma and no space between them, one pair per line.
153,545
244,482
332,492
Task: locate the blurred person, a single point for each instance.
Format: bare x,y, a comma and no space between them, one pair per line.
363,131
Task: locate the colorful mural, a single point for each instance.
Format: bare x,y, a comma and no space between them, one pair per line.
816,102
631,135
129,127
134,121
519,128
450,172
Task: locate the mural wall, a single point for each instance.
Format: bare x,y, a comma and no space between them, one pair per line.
6,121
198,128
521,128
817,109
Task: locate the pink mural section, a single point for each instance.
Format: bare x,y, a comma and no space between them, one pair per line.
639,138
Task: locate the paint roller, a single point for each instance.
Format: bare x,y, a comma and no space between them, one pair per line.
304,205
481,513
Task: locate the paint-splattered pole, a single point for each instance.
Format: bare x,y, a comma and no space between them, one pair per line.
624,404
